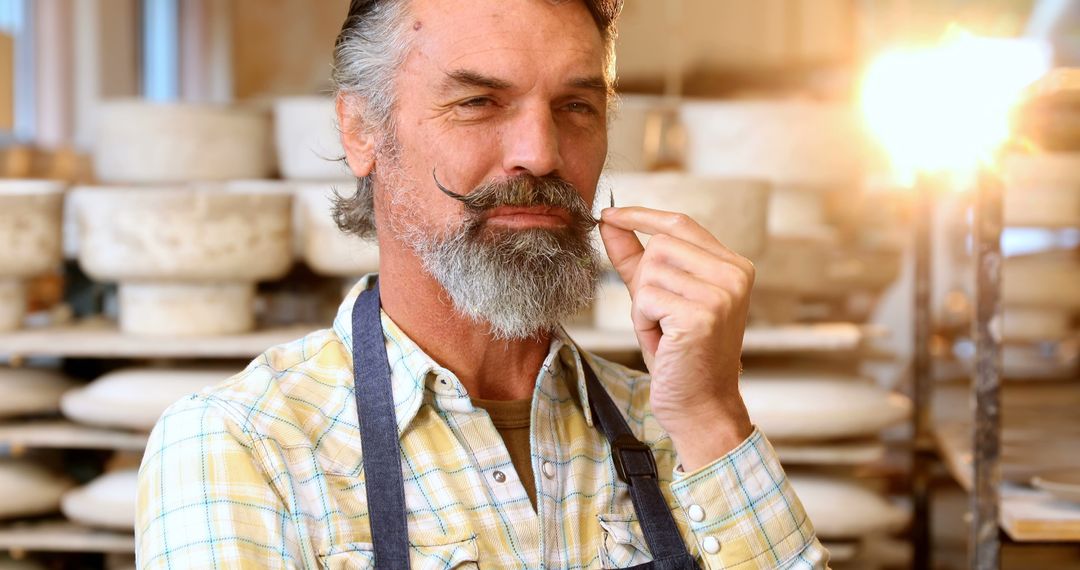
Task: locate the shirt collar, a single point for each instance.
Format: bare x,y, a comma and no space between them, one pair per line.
412,370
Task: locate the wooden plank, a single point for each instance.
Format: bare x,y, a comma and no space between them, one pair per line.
63,536
843,453
63,434
1041,432
101,339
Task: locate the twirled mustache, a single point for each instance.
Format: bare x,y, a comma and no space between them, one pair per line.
525,190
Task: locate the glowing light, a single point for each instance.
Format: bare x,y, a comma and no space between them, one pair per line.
946,108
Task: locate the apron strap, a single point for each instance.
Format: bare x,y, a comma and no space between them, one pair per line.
636,466
381,448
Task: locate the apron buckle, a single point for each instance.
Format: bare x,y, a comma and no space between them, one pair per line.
632,458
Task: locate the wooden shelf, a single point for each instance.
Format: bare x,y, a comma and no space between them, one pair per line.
836,454
63,536
100,339
63,434
1041,431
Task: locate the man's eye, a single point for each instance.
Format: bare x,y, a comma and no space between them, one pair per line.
477,102
580,107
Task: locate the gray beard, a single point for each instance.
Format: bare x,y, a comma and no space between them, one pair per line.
521,283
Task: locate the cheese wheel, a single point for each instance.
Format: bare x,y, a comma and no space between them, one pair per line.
186,309
794,266
841,508
733,211
209,232
135,398
798,212
31,212
1042,190
1032,325
802,408
28,391
326,249
308,140
107,501
1045,280
27,489
785,142
143,142
12,304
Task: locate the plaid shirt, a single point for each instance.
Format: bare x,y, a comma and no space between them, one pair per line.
265,471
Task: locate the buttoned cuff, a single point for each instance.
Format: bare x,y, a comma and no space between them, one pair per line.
742,510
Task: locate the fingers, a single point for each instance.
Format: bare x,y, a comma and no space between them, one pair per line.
681,226
624,249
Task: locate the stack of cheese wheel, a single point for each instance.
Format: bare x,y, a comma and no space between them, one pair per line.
309,148
815,417
107,501
187,257
633,129
31,392
809,152
30,241
134,398
1040,294
28,489
732,210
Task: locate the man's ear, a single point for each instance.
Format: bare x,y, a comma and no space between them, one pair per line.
356,138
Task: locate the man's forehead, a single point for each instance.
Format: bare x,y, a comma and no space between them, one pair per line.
466,33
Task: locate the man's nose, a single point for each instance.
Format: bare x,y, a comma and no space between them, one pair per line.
531,143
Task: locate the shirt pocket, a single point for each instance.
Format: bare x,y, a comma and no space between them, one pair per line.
361,555
622,543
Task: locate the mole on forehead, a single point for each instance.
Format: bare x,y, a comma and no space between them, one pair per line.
417,25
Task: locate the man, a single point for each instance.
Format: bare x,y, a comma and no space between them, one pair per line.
459,426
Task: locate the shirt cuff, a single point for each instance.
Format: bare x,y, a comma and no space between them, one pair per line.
742,510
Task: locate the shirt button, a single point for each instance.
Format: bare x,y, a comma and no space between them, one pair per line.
697,514
549,470
499,476
711,545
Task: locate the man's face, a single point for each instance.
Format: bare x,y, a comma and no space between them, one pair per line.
503,100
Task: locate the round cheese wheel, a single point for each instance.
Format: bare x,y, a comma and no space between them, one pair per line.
135,398
1044,280
733,211
308,141
1042,190
31,213
794,266
12,304
27,489
786,142
797,212
801,407
186,309
326,249
209,232
143,142
107,501
1028,325
841,508
28,391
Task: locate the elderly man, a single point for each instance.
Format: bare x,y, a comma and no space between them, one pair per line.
446,420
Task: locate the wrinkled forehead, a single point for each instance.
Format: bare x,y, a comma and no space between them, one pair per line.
510,37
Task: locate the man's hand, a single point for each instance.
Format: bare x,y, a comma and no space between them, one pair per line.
690,299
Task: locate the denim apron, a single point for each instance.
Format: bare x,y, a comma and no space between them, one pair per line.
633,459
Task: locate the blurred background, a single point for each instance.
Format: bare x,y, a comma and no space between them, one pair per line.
164,217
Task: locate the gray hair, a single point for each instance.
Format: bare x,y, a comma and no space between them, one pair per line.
371,47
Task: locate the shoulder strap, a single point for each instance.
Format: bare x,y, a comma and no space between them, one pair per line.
384,484
636,466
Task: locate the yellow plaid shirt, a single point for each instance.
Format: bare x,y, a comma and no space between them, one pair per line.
266,471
